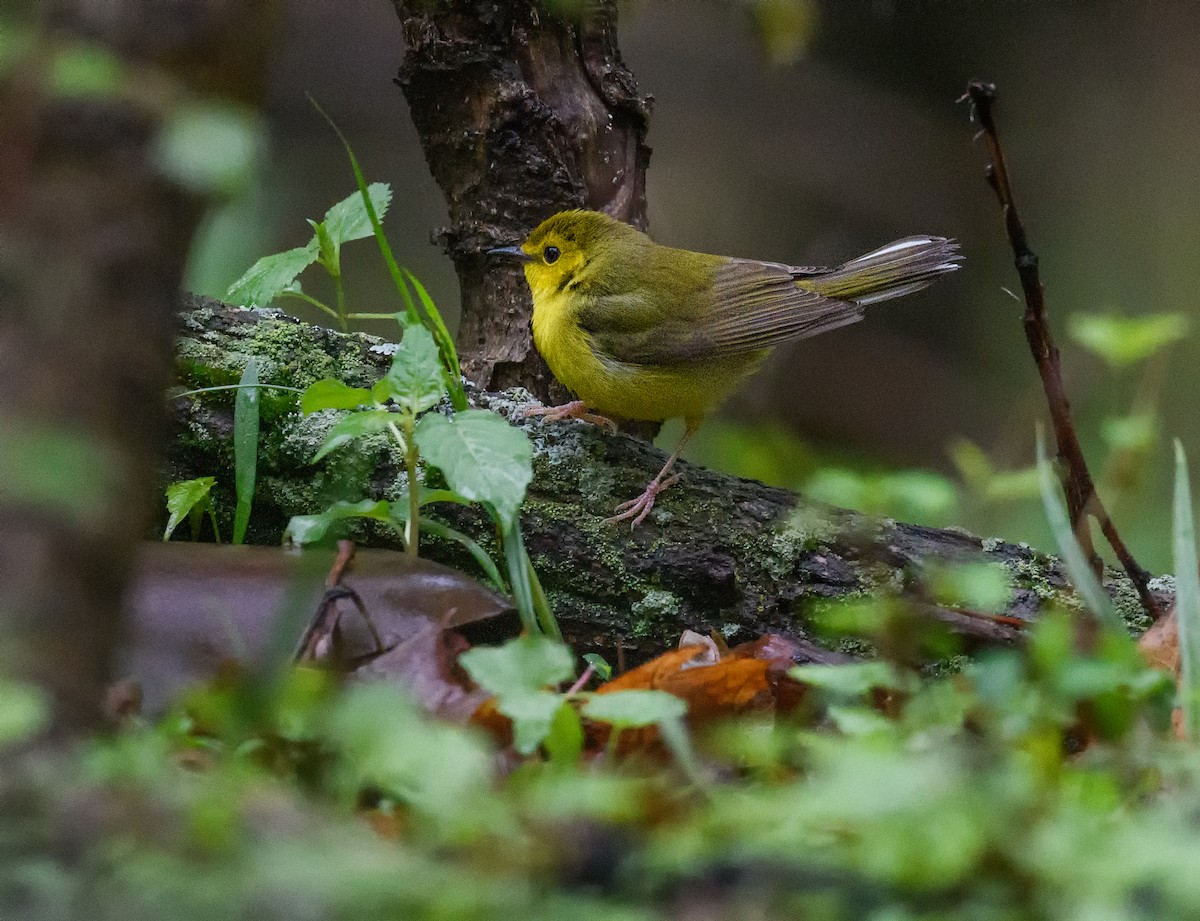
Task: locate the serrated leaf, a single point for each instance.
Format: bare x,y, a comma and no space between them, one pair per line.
308,529
481,456
521,666
184,496
348,219
632,709
266,279
415,380
329,393
355,425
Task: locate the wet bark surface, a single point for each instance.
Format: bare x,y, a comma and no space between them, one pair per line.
521,114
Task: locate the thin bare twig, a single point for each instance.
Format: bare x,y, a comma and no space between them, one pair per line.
1082,499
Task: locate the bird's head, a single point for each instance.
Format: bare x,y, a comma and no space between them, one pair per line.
566,249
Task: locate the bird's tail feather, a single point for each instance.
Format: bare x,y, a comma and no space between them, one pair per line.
899,268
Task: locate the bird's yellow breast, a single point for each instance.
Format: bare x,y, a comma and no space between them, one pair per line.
630,391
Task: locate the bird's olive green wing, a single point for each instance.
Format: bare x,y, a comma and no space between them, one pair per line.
731,307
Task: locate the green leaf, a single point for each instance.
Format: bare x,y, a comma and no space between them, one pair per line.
1123,341
355,425
211,147
308,529
415,380
1187,596
1082,577
599,665
482,457
348,219
184,496
245,447
564,741
445,341
632,709
521,666
532,714
329,393
266,279
852,680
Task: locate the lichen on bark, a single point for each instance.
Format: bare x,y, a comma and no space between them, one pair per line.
718,553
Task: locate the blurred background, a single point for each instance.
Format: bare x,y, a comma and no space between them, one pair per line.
809,132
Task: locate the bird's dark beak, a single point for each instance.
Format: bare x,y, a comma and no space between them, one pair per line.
513,252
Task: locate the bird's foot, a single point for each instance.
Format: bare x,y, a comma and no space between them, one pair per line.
639,508
576,409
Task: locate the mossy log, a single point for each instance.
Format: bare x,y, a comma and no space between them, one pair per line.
718,552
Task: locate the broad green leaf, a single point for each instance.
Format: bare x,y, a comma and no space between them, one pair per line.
520,666
1123,341
330,393
482,457
1082,577
308,529
415,380
348,219
266,279
210,147
631,709
355,425
1187,596
184,496
245,447
532,713
564,741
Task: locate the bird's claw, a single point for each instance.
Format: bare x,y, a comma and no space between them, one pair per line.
639,508
576,409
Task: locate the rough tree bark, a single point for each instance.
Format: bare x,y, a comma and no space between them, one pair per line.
522,113
92,244
718,553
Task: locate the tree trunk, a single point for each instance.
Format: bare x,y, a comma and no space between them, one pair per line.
718,553
93,239
521,113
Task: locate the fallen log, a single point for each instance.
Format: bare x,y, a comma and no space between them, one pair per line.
719,553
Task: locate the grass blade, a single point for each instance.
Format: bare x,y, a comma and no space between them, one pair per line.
245,447
1187,596
458,396
1082,577
481,556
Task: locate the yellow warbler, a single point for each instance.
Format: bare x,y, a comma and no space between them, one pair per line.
643,331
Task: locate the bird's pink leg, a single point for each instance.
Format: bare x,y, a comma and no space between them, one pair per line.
576,409
639,508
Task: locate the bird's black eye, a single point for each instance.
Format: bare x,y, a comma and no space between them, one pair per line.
551,254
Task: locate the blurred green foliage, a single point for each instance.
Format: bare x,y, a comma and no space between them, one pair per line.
1036,783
